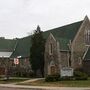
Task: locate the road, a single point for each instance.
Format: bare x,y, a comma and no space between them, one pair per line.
10,88
5,88
22,87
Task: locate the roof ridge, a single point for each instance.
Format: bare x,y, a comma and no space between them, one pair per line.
64,25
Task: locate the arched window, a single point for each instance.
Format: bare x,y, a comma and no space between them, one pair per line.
52,63
87,37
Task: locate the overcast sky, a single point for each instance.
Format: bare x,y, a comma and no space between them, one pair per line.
20,17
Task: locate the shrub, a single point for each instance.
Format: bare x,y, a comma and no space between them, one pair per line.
80,75
67,78
52,78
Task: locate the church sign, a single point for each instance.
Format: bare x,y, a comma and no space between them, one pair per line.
66,71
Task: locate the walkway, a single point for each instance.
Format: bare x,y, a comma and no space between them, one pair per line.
32,80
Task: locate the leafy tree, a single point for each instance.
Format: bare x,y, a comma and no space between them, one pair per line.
37,51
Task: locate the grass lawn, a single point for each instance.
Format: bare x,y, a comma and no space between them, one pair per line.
76,83
12,80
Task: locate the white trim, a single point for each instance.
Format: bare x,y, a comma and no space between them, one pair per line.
49,37
87,45
52,36
79,60
19,56
86,52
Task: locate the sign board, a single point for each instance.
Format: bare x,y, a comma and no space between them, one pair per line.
16,61
66,71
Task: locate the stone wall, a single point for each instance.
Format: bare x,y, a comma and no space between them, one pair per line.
64,59
52,59
78,45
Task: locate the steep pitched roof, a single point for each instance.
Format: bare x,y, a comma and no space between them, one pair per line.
67,31
61,34
64,34
23,47
7,45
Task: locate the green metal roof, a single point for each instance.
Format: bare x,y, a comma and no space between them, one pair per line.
61,34
64,34
63,43
23,47
67,31
7,45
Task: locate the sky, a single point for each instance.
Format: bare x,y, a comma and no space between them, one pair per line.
18,18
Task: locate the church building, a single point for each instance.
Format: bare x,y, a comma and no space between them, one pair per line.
66,46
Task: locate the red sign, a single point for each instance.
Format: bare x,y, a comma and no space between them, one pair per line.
16,61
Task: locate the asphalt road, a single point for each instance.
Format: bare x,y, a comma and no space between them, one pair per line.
10,88
5,88
19,87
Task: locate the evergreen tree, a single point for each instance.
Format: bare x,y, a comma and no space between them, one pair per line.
37,51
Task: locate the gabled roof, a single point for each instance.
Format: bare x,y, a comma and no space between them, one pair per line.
7,45
64,34
23,47
61,34
67,31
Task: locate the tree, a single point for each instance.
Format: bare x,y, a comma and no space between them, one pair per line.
37,51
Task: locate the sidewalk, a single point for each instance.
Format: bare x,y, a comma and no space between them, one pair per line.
42,87
32,80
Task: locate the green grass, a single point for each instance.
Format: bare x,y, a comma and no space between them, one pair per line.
80,83
12,80
73,83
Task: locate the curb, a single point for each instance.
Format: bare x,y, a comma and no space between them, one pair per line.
42,87
28,87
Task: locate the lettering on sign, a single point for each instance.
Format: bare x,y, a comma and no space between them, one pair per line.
66,71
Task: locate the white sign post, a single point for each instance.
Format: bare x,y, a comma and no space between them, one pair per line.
66,71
